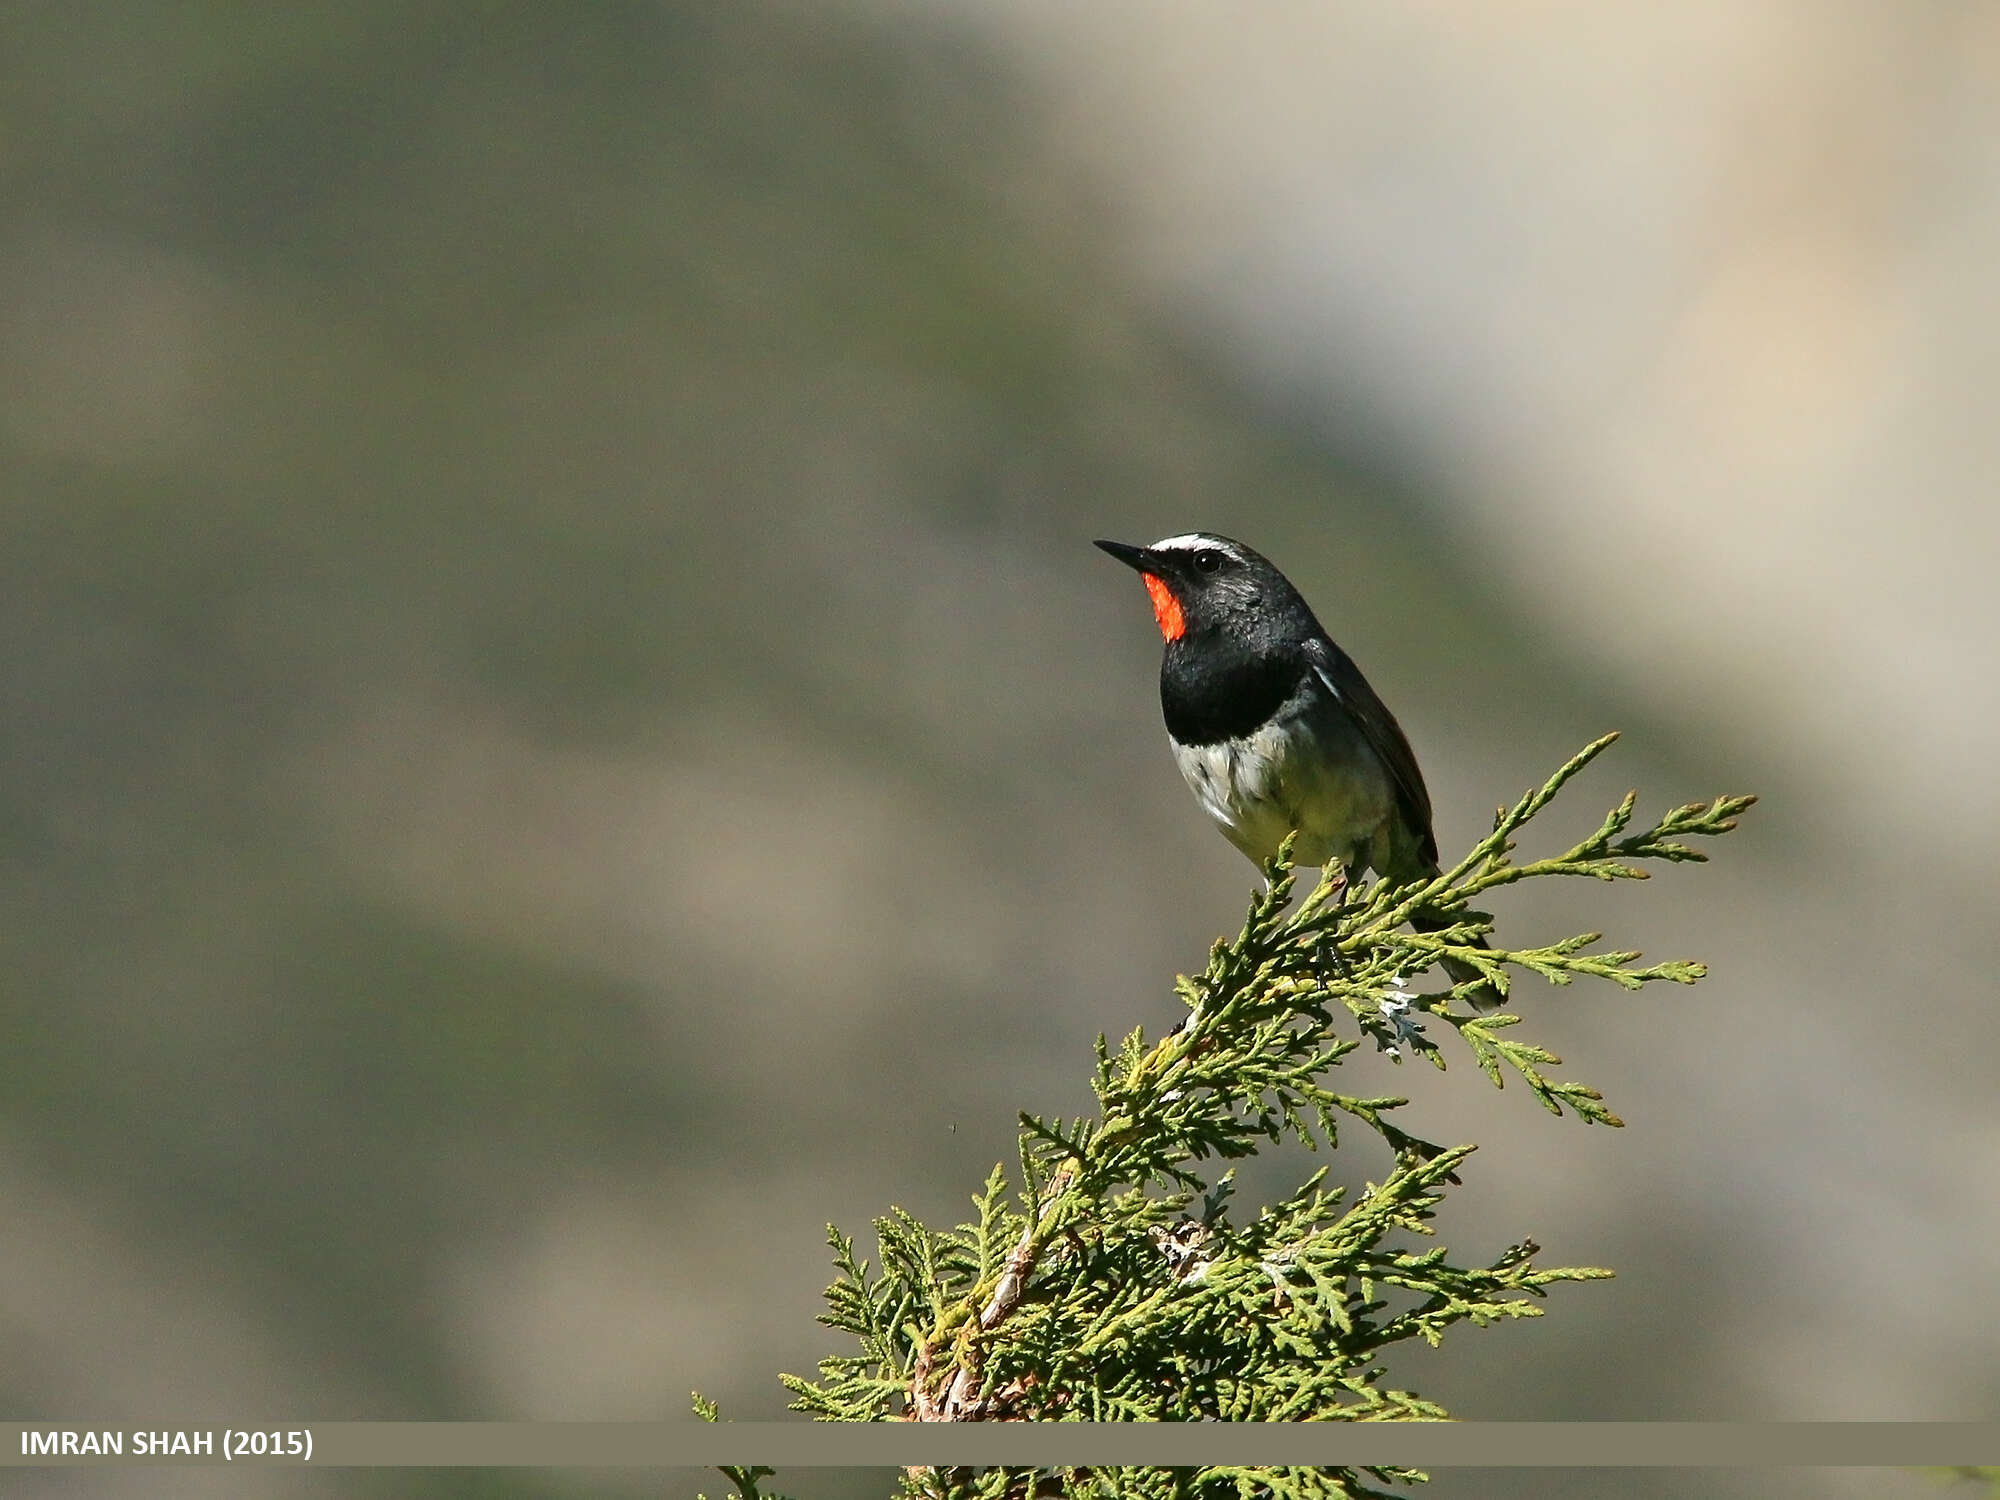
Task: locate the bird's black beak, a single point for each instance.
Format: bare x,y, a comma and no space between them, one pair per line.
1143,559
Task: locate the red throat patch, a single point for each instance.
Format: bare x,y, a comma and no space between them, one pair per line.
1166,608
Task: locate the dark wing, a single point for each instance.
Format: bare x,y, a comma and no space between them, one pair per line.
1384,736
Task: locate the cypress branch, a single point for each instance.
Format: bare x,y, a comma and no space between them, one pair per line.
1112,1278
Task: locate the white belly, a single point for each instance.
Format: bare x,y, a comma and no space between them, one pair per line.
1263,786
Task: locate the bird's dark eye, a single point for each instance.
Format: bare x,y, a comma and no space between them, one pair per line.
1208,560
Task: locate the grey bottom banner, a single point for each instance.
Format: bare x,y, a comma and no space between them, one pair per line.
1066,1444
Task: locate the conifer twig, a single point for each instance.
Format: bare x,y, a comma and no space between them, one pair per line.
1118,1281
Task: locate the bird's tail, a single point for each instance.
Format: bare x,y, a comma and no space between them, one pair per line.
1486,997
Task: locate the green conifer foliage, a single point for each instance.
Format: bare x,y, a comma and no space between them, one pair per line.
1113,1277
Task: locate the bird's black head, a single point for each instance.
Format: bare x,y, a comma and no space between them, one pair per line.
1206,587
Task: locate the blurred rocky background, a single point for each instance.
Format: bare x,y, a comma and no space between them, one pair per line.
559,727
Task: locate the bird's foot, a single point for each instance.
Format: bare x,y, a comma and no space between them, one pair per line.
1327,959
1325,955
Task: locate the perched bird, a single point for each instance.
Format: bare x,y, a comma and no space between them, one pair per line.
1274,727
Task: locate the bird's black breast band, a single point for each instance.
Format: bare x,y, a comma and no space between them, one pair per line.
1222,694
